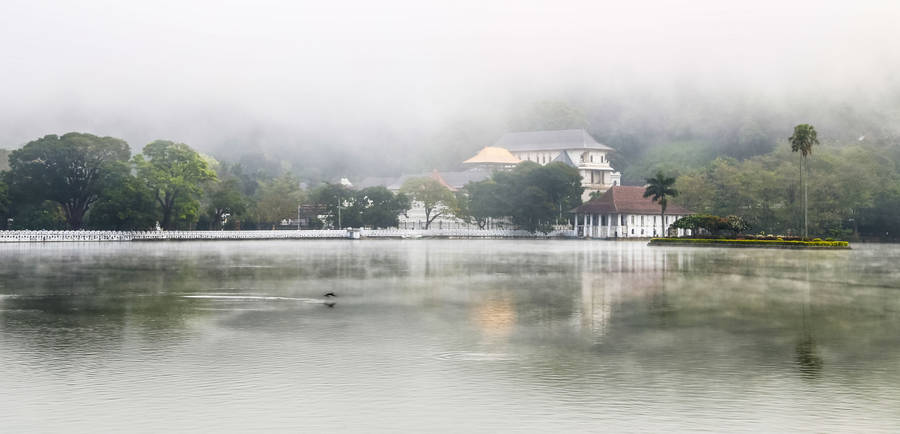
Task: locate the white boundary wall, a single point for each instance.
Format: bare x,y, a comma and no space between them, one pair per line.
77,236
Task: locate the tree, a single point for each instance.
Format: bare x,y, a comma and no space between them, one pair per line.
337,200
561,183
533,209
4,202
224,197
481,201
380,208
70,170
437,199
127,204
278,199
660,189
174,173
802,141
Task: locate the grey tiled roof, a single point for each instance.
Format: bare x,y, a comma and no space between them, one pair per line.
549,141
374,181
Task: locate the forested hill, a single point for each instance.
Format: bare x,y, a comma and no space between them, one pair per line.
674,131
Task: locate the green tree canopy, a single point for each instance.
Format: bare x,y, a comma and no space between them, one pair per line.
4,202
857,187
482,200
224,197
71,170
174,173
380,208
531,195
336,199
278,199
126,204
437,199
375,207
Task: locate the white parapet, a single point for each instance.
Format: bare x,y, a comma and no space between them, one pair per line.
81,236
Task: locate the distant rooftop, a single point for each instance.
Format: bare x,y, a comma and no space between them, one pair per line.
549,141
452,180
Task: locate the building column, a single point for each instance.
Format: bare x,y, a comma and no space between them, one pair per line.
609,226
591,226
584,226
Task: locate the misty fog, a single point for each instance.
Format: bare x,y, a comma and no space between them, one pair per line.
351,88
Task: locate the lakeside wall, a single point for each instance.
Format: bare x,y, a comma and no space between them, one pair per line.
81,236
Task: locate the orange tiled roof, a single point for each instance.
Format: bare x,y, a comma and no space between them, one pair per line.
622,199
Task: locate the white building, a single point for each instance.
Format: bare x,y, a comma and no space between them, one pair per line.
624,212
573,147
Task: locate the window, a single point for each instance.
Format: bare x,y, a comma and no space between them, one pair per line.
632,220
642,223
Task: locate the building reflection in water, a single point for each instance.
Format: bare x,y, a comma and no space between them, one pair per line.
610,277
496,316
596,301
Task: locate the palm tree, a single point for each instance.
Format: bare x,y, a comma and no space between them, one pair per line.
660,187
802,141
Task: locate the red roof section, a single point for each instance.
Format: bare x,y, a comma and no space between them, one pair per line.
437,177
622,199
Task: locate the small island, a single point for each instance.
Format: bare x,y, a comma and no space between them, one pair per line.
767,242
713,231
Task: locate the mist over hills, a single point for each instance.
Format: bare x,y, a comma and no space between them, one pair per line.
354,89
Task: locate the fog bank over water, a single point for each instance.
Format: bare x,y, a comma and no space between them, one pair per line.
401,85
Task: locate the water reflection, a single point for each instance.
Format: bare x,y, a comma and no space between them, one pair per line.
558,334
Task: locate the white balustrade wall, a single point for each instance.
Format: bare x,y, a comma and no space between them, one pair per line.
76,236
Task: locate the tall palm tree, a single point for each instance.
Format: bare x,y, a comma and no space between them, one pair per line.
802,141
660,187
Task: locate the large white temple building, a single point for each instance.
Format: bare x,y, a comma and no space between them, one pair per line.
574,147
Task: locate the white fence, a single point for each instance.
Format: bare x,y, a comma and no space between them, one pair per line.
75,236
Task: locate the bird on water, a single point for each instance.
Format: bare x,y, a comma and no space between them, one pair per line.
329,294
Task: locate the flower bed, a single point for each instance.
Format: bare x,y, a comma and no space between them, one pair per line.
729,242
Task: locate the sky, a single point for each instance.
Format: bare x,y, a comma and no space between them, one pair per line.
387,76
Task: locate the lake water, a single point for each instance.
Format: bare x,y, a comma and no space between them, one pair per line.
447,335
